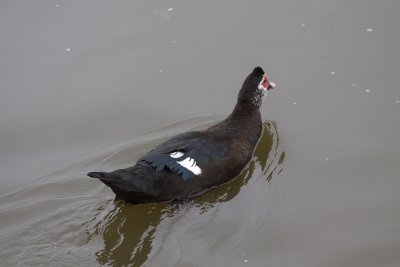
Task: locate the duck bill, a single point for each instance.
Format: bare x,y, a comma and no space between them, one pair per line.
271,85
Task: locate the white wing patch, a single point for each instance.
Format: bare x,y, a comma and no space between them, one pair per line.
187,163
191,165
176,154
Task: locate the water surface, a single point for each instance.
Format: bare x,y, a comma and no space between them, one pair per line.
93,85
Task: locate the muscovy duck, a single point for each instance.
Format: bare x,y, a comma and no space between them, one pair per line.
190,163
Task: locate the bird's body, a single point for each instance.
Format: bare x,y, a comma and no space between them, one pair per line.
190,163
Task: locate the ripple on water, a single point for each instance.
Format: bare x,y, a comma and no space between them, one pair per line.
73,220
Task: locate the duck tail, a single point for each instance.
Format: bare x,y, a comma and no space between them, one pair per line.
110,179
128,187
100,175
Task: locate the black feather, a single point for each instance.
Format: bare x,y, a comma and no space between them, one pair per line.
220,151
202,152
258,71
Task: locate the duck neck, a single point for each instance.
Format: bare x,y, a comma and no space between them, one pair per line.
244,122
245,110
244,118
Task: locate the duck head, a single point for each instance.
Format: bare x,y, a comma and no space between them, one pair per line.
254,88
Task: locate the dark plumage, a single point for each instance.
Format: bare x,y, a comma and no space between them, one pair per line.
188,164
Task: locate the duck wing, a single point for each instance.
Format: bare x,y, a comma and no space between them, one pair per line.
186,154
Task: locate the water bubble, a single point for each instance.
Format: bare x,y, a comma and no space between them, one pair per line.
294,103
353,84
397,101
246,261
162,14
170,9
303,25
370,30
333,72
57,5
367,90
68,49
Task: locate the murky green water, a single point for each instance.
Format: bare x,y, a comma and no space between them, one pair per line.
93,85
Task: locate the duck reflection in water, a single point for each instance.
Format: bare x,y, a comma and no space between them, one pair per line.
134,234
